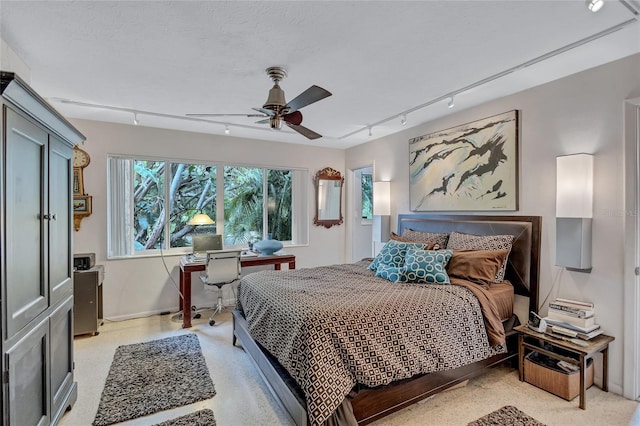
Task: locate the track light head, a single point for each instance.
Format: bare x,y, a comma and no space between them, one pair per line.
451,104
595,5
403,120
135,119
370,134
226,130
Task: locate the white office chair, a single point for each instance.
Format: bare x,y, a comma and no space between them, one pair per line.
223,267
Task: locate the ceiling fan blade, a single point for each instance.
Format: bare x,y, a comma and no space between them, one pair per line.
308,133
309,96
265,111
294,118
224,115
265,121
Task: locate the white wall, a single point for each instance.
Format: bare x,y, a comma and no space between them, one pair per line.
140,286
580,113
10,61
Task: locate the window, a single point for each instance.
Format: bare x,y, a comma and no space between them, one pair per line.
142,191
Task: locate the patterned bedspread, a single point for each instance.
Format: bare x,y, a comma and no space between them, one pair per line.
334,326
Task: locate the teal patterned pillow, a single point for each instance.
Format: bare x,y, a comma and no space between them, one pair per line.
392,254
427,266
392,273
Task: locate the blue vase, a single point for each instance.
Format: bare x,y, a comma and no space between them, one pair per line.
267,246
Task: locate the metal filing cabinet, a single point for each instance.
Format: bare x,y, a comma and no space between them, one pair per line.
87,296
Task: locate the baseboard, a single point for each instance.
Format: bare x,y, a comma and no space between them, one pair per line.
141,314
228,303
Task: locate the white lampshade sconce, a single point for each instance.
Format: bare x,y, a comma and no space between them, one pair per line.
381,212
574,211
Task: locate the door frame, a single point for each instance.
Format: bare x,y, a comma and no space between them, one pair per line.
631,219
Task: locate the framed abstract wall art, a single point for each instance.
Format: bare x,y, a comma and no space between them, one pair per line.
471,167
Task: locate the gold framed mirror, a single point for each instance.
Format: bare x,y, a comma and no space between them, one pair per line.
328,183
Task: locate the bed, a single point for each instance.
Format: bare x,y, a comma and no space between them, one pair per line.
311,381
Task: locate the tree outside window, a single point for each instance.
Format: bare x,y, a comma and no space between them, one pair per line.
367,196
186,189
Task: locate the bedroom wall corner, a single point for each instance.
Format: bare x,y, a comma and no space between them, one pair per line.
10,61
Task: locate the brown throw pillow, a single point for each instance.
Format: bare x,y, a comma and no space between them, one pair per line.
458,241
476,265
429,245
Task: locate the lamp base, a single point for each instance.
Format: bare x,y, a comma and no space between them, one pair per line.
381,228
573,243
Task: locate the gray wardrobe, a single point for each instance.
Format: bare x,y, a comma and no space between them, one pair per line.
36,269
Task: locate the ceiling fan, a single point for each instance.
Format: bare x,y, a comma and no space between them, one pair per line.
276,110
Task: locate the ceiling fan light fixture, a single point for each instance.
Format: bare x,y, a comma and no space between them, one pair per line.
275,122
595,5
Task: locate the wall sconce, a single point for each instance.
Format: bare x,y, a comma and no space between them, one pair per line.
381,213
574,211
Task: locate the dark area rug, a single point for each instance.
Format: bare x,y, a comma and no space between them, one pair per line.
506,416
154,376
199,418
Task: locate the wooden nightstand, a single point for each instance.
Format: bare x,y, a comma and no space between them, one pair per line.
530,340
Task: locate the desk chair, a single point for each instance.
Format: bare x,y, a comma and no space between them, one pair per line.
223,267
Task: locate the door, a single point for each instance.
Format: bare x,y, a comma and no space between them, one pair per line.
59,220
28,386
362,191
26,290
61,357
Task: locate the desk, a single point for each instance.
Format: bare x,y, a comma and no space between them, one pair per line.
579,354
186,268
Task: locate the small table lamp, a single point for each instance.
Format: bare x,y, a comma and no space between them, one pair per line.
201,219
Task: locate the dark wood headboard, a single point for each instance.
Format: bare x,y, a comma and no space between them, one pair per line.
523,268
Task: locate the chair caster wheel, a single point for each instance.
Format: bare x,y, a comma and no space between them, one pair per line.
212,323
196,316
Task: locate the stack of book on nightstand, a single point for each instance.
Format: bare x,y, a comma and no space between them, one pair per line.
572,318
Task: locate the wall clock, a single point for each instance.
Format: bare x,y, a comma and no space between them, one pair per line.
81,200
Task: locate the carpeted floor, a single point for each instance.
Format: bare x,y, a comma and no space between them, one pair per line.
145,378
506,415
243,398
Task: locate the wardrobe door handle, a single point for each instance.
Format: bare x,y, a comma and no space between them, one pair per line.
50,216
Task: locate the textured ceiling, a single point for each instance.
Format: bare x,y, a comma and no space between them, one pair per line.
165,59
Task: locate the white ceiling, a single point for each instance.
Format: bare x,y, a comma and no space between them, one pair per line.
165,59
